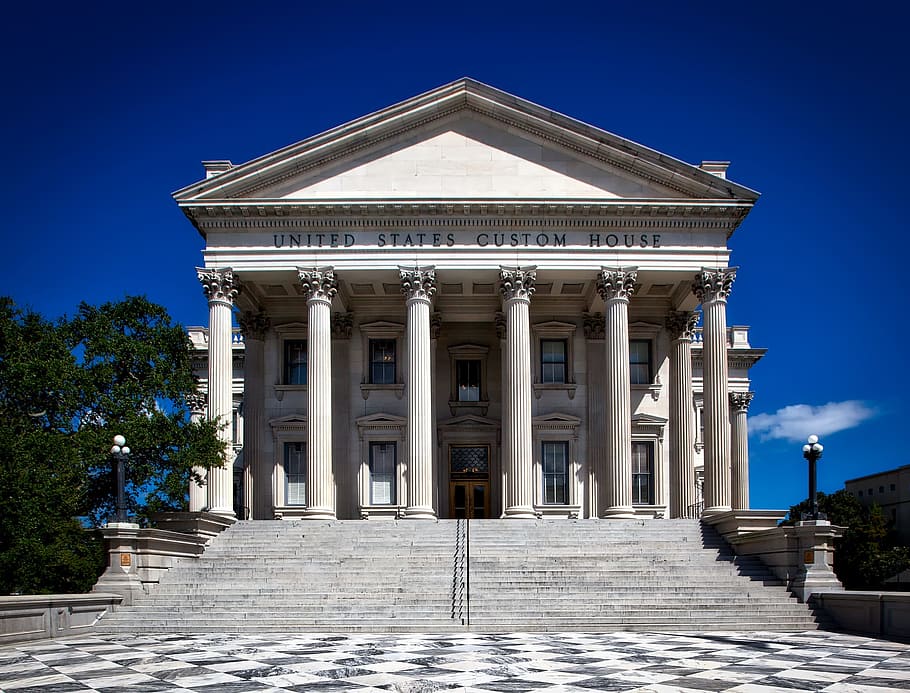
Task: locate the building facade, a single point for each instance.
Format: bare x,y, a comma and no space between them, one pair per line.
890,490
467,305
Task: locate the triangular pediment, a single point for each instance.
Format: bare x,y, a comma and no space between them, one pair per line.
462,141
381,420
469,420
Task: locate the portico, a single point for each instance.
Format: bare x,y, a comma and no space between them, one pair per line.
468,305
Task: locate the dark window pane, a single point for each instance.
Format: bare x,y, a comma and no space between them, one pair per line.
467,379
640,361
465,459
295,359
555,462
553,360
382,361
382,473
642,473
295,473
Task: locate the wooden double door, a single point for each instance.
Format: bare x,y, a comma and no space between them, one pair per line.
469,482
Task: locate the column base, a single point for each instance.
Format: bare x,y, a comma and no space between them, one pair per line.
618,513
418,514
317,514
519,513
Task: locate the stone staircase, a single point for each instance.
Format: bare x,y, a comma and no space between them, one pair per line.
491,576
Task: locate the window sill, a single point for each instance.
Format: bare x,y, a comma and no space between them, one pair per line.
281,389
654,389
558,510
463,408
569,388
367,388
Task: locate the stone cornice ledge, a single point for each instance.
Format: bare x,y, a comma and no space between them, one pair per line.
735,523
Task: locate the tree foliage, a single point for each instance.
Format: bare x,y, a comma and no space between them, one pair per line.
66,388
868,553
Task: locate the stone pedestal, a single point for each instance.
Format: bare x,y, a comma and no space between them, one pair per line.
517,287
221,288
816,551
419,285
712,287
616,287
122,573
319,286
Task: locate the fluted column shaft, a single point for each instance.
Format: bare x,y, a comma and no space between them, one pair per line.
712,288
616,287
254,327
517,286
739,404
198,494
418,285
221,288
319,286
681,326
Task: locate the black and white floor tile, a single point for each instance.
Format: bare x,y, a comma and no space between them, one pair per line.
468,662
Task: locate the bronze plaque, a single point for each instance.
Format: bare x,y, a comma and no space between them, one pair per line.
809,557
126,559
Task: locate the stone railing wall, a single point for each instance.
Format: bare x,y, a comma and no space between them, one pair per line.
36,617
883,614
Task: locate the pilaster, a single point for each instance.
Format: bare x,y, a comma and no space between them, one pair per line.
712,287
739,405
220,288
254,326
418,285
517,287
197,403
319,287
616,287
681,326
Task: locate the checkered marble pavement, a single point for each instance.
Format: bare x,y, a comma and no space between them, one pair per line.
478,663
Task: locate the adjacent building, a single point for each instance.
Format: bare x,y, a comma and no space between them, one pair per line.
468,305
889,490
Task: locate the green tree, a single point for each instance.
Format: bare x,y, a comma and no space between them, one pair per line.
868,553
66,388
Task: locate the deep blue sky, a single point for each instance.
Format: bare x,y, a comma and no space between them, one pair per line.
109,108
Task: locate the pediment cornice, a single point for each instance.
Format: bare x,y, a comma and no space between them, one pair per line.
497,106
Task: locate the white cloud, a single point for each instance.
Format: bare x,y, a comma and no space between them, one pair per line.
798,421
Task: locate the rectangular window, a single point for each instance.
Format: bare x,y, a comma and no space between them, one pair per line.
555,462
382,361
640,361
467,377
295,473
553,360
382,473
295,357
642,473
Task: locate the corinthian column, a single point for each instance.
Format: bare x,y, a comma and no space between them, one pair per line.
418,285
681,326
739,403
254,326
196,401
319,286
712,286
616,287
517,286
220,288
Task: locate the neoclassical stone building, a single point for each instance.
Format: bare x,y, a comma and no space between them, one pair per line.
468,305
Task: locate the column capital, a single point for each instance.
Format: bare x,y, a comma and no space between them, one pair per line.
616,282
254,325
681,324
740,401
418,282
318,283
342,324
517,282
197,402
595,326
714,284
219,285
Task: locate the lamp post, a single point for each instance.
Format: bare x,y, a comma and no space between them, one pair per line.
812,451
120,452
